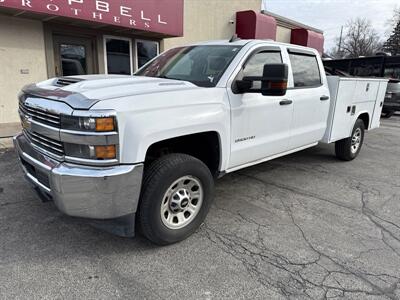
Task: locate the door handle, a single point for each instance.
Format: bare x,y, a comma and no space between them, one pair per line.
324,98
286,102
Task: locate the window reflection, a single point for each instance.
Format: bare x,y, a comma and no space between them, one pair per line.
305,70
255,65
73,59
118,56
146,51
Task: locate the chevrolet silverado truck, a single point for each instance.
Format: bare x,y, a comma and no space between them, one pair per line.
145,150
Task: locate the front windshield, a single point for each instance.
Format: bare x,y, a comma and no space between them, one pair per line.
201,65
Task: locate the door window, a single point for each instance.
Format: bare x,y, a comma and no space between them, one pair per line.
118,56
255,65
305,70
146,51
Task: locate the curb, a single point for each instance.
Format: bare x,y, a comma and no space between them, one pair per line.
6,143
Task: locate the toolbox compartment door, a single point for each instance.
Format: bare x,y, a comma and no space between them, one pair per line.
349,98
339,119
375,122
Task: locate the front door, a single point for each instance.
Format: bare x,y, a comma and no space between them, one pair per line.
260,124
73,55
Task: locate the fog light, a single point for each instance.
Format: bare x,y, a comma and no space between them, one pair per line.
106,152
90,152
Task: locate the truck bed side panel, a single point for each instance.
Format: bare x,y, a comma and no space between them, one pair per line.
351,97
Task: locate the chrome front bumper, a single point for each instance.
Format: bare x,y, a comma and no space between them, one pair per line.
82,191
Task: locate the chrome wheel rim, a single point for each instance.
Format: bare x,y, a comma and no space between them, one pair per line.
181,202
356,140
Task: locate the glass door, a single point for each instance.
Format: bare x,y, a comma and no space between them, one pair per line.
73,56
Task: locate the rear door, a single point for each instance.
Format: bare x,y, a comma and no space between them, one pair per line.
260,125
310,96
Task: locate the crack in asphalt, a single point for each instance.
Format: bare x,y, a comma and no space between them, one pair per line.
13,203
290,278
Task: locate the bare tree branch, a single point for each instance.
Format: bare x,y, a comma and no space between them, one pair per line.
360,39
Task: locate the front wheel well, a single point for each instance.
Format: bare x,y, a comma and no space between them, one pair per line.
365,118
204,146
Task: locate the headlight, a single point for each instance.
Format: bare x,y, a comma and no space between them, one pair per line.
88,123
90,135
91,152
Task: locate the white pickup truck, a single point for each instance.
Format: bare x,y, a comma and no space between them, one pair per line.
147,148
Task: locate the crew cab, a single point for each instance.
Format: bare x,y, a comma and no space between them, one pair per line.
146,149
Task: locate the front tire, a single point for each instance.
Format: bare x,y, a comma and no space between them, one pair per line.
177,193
348,149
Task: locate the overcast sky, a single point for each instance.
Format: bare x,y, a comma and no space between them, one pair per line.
329,15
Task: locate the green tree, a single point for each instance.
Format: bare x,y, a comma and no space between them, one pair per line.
392,44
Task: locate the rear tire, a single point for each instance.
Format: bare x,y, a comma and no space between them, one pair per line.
177,193
348,149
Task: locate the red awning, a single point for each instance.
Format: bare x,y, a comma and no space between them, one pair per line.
158,16
308,38
252,25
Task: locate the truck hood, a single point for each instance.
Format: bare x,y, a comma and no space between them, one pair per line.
82,92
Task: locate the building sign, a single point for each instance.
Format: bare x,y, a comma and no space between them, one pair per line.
161,16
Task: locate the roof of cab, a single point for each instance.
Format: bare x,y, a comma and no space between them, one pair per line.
240,42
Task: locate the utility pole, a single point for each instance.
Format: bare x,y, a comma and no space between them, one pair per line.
340,42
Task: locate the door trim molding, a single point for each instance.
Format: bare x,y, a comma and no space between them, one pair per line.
256,162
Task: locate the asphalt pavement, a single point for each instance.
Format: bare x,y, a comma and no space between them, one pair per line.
299,227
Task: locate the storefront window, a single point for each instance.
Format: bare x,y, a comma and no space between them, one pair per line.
146,51
118,56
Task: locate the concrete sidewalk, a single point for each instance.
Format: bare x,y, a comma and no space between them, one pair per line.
7,131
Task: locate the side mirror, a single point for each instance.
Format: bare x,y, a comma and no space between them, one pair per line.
244,86
273,82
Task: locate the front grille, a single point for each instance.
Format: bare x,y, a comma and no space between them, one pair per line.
45,143
40,115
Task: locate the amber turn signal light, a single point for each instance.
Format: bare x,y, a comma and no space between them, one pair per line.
280,85
106,152
105,124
